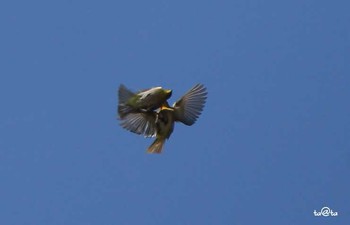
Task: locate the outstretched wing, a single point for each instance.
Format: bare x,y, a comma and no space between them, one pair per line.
190,106
143,123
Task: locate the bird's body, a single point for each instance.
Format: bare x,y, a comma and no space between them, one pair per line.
164,122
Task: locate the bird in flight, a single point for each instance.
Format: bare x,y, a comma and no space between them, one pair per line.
148,113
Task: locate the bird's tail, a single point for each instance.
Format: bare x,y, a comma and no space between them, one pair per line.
124,95
156,146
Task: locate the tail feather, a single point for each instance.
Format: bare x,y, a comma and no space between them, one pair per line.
156,146
124,95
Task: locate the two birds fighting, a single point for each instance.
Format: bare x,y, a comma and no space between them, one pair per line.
148,113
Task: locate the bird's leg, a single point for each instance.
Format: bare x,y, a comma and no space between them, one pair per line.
166,108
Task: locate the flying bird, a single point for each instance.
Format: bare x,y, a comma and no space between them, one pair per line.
159,123
142,101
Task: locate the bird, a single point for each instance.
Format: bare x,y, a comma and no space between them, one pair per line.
159,123
142,101
164,125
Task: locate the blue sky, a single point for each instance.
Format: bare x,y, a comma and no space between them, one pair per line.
271,146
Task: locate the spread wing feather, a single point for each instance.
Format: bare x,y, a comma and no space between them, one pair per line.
191,105
143,123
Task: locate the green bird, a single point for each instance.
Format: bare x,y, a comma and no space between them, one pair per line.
160,123
143,101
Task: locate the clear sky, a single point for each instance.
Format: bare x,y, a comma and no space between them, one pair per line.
272,144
